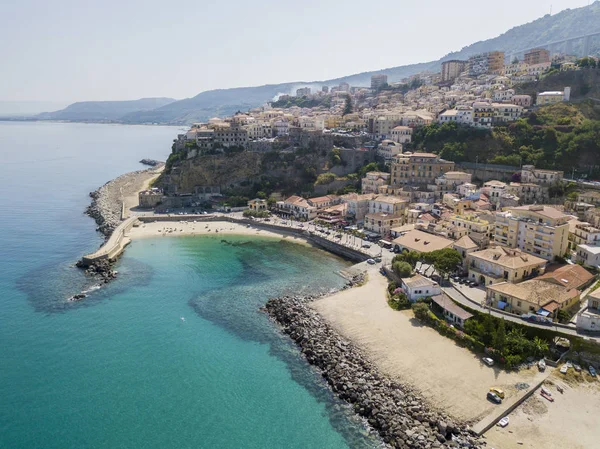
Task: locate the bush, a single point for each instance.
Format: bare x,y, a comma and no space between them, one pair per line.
421,312
399,302
402,269
325,178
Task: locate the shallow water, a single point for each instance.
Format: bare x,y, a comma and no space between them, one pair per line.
121,369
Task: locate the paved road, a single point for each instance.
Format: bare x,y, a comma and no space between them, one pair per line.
460,298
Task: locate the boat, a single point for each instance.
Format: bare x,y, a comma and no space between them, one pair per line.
182,319
592,371
545,396
542,365
577,367
564,369
546,391
503,422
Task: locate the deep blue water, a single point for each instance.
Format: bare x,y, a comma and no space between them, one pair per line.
120,369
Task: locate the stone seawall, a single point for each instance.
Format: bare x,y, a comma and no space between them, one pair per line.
114,245
399,416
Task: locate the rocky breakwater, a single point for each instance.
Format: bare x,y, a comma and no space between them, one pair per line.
395,411
101,270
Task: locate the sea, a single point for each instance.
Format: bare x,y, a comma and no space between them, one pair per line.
176,352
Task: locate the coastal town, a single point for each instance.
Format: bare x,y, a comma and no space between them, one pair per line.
497,265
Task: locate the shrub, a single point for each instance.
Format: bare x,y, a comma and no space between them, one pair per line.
402,269
421,312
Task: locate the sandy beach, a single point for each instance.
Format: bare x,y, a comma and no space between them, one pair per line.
571,421
449,377
186,228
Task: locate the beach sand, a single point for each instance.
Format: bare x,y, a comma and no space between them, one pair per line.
181,228
571,421
449,377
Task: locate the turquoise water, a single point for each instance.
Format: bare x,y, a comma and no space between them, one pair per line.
121,369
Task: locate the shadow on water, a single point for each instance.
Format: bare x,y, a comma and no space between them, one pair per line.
236,308
49,287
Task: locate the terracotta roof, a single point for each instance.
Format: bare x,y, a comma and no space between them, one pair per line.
390,199
465,242
422,242
571,276
507,257
447,304
536,291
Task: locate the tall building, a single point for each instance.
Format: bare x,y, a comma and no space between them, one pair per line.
418,168
303,91
538,230
379,81
452,69
537,56
491,62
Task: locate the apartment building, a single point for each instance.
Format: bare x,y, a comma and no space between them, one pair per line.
500,264
388,149
483,114
357,205
491,62
418,168
538,230
452,69
401,134
373,180
378,81
478,229
506,112
537,56
521,100
585,234
382,223
392,205
530,174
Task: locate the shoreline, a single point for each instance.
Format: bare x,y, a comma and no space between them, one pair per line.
395,411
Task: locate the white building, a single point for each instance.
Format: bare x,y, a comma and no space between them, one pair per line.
417,287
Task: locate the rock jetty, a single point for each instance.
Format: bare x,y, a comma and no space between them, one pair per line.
101,269
395,411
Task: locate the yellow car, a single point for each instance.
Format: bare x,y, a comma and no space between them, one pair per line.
497,391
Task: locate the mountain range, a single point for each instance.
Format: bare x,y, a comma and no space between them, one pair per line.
567,24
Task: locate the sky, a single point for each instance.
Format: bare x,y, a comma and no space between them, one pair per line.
76,50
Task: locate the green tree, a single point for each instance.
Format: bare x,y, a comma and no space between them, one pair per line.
421,311
444,260
500,337
489,330
539,347
348,106
411,257
402,269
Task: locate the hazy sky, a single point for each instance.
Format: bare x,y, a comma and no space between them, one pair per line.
72,50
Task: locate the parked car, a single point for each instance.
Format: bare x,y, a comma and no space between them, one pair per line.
473,284
498,392
494,397
371,262
488,361
592,371
366,245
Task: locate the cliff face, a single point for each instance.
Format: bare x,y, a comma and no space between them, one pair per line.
245,173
